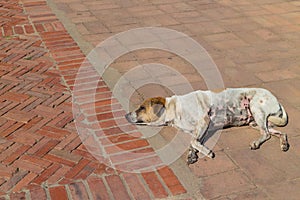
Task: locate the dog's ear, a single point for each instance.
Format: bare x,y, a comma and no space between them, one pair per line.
158,105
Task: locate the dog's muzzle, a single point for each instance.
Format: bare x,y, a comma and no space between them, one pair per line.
131,117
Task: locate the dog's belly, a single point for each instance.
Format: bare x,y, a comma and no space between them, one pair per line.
229,116
231,109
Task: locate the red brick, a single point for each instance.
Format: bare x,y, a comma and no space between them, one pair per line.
54,179
155,185
117,188
78,191
6,171
132,155
67,141
9,151
46,173
74,144
8,31
13,181
48,27
85,172
171,181
115,139
58,26
24,182
28,166
46,148
19,30
12,96
15,155
24,137
29,29
53,132
127,146
97,188
12,128
77,168
20,116
85,154
58,193
59,160
38,145
136,187
18,196
37,192
66,155
177,189
104,169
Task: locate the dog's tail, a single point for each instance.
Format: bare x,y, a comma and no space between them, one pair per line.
280,119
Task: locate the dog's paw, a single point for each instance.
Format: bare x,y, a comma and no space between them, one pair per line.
192,157
254,146
284,146
211,154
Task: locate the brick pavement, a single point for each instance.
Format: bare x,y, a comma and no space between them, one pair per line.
42,156
254,43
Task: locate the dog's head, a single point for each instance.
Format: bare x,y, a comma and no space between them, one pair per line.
150,112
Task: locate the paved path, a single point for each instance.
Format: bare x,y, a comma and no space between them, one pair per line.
254,44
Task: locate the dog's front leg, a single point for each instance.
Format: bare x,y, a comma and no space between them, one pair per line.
196,145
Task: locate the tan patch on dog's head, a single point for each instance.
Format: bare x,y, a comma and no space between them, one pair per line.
150,110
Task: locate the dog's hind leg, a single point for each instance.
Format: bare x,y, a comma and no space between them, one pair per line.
284,145
262,123
202,149
192,156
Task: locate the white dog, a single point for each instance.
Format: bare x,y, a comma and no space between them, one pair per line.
200,111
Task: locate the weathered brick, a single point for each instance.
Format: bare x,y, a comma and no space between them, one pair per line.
117,187
16,154
66,155
58,175
126,146
77,168
171,181
37,192
17,196
46,173
97,188
13,181
155,185
24,182
58,193
9,151
46,148
78,191
136,187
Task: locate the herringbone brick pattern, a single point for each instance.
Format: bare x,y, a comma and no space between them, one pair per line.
41,154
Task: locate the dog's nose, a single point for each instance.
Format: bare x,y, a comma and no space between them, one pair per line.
128,117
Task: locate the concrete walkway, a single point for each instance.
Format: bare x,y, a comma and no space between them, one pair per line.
44,43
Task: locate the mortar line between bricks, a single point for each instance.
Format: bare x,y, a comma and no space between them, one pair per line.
163,183
88,190
111,196
68,191
126,187
27,195
140,177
